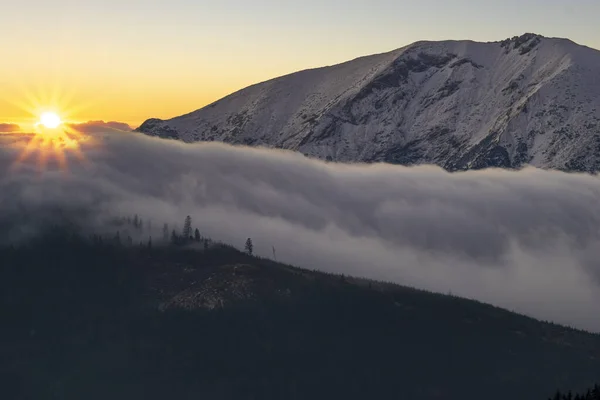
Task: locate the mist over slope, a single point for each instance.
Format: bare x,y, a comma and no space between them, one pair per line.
527,240
528,100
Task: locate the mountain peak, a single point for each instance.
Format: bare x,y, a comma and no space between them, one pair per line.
527,100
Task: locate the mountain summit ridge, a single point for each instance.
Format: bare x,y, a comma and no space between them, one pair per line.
526,100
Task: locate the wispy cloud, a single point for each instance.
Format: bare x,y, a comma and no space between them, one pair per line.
526,240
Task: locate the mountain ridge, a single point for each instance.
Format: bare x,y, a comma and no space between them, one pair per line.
527,100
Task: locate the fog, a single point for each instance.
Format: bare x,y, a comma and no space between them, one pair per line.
525,240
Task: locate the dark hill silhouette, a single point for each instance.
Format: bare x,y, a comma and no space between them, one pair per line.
90,318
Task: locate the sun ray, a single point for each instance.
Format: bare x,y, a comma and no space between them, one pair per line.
35,100
51,140
42,160
53,147
61,159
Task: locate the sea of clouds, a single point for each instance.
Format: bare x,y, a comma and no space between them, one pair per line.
525,240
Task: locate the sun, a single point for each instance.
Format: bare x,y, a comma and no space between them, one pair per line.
53,140
50,120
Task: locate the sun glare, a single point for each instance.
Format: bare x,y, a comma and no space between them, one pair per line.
54,139
50,120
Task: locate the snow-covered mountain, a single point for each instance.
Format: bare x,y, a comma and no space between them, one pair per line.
459,104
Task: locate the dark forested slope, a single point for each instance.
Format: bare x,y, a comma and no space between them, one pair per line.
87,319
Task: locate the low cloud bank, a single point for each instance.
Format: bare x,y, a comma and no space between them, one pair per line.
9,128
100,126
527,240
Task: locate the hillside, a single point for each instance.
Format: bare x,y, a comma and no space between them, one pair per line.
89,319
458,104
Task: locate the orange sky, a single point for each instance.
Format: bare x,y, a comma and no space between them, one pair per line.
131,88
131,60
130,95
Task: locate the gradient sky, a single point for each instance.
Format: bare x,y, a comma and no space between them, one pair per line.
129,60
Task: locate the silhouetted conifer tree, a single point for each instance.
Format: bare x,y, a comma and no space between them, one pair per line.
249,246
166,232
187,227
197,235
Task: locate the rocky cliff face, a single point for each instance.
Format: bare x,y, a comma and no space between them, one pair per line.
458,104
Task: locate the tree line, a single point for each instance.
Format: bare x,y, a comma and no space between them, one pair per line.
134,226
590,394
